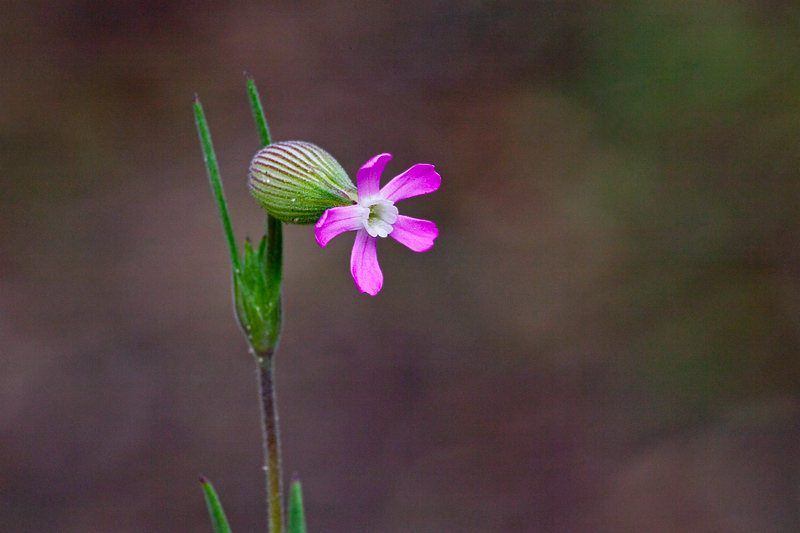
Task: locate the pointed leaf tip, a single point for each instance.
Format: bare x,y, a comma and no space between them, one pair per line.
297,518
218,520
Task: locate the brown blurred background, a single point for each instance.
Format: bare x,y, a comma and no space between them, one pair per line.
605,337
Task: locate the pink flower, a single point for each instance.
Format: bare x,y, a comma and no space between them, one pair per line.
374,215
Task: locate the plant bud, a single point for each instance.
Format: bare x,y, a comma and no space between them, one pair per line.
297,182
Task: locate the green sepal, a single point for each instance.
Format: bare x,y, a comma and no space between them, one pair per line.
297,517
256,287
218,520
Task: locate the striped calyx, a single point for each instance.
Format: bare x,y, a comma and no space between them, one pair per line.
297,182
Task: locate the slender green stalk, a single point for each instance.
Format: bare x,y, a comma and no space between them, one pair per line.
269,405
275,252
215,180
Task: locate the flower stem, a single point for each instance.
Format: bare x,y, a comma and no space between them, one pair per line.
266,361
256,287
272,443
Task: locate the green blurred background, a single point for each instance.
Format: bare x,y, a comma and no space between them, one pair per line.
605,337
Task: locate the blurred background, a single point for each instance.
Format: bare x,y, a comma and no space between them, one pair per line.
605,337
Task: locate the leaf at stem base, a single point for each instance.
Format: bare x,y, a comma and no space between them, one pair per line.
218,520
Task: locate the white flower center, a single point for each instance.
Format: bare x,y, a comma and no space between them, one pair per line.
378,217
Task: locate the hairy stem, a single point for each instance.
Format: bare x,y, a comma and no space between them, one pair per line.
272,443
269,407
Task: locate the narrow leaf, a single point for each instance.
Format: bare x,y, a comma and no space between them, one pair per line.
218,520
258,111
214,178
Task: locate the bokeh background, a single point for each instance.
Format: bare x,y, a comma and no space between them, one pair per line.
605,337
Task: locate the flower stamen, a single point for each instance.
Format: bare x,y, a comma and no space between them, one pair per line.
380,215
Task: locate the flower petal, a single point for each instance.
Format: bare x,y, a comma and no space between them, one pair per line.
364,263
415,233
368,178
337,220
419,179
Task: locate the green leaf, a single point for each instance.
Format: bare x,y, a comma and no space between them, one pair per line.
214,178
297,518
258,110
218,520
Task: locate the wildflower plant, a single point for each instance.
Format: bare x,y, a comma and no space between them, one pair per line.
300,183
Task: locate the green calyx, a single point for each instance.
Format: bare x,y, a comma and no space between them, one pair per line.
257,297
297,182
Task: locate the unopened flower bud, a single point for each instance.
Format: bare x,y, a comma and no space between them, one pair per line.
297,182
